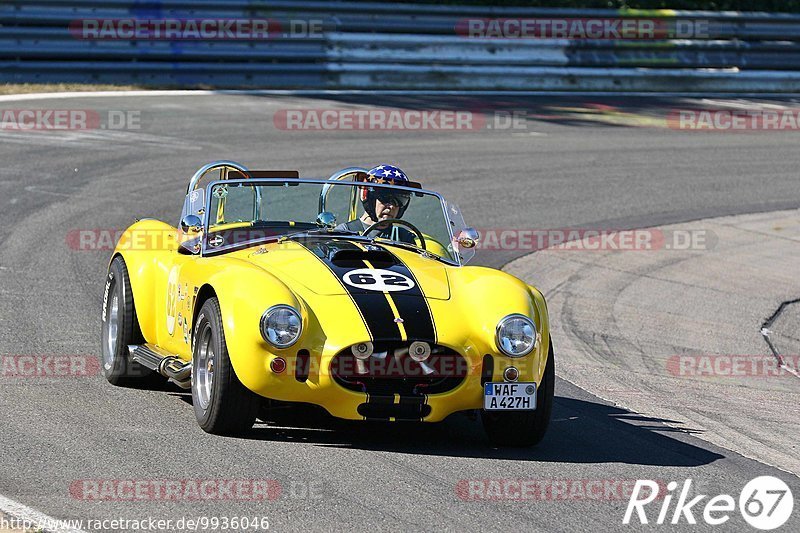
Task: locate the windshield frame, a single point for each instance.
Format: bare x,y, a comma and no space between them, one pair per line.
206,252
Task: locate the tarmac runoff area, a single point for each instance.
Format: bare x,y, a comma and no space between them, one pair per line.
675,334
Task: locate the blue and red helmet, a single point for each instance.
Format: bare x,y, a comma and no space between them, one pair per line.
390,175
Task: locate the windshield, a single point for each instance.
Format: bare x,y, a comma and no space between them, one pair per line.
247,212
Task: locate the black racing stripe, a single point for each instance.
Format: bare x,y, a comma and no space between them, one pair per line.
312,246
377,314
412,305
373,306
416,317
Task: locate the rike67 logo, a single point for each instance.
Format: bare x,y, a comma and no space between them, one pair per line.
765,503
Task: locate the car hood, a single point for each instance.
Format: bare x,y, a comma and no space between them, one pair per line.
335,266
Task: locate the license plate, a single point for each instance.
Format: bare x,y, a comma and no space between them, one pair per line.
509,396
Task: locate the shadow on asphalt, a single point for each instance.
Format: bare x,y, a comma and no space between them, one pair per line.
580,432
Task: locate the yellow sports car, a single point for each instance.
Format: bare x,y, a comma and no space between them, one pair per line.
350,293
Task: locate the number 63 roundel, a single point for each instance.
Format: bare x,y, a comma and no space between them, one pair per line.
378,279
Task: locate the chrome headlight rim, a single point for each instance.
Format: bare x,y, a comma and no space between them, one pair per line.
263,323
500,325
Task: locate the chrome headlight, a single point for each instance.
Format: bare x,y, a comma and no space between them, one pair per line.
516,335
281,326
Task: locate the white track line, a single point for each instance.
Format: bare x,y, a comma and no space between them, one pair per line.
267,92
38,519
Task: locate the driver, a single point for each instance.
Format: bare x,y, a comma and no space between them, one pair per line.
382,204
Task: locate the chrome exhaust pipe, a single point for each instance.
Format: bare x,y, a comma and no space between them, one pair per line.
177,371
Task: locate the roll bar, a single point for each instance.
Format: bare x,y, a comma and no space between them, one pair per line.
223,164
341,176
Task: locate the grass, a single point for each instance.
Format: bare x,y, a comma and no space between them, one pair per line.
28,88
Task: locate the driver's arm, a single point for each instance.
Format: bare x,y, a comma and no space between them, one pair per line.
355,226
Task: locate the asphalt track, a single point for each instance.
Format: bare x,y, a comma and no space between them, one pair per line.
579,163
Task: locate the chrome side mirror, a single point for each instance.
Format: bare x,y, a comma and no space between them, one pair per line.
326,219
191,224
468,238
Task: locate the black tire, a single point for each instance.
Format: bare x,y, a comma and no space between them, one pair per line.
119,309
524,428
230,407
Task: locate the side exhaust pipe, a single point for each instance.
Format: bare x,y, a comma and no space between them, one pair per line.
169,366
177,371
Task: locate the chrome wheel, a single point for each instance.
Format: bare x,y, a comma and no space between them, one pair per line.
205,368
119,329
112,327
222,406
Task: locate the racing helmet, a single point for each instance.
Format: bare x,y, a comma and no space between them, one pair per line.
385,174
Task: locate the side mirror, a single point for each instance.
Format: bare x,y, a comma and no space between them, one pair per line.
468,238
326,219
191,224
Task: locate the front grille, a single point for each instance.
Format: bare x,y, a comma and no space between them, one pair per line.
391,371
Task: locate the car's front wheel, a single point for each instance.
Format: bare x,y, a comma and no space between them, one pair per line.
524,428
120,328
222,405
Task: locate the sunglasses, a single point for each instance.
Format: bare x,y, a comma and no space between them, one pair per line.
392,198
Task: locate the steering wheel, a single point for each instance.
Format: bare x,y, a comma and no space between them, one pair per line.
399,222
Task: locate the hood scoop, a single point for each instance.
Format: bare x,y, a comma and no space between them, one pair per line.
356,258
325,263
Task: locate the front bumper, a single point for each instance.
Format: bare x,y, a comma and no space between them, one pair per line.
312,378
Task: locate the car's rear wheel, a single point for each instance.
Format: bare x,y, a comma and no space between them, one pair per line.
120,328
524,428
222,405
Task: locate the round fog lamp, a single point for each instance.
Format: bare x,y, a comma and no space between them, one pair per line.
278,365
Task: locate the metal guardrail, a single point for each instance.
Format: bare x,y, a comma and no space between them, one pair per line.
409,77
405,49
368,45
